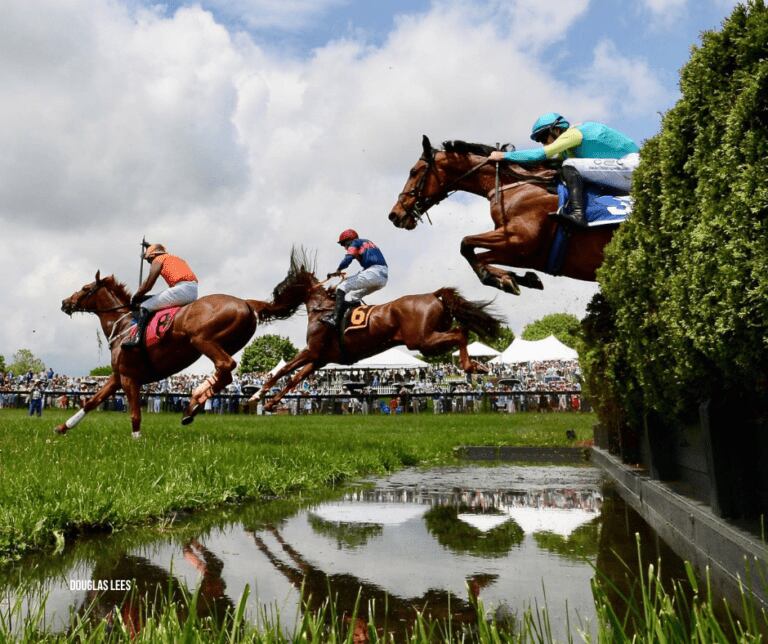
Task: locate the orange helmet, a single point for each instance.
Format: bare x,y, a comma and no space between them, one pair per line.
153,250
348,235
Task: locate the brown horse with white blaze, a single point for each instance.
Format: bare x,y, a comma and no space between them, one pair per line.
421,322
521,199
215,326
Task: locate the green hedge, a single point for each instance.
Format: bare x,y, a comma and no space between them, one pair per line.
686,280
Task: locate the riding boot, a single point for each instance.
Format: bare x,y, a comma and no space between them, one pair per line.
141,327
334,319
575,185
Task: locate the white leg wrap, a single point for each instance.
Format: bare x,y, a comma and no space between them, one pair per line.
75,419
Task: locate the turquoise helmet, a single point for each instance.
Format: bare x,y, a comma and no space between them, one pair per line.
547,121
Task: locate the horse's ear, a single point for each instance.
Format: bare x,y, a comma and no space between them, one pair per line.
427,146
98,276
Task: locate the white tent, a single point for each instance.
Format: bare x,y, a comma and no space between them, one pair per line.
479,350
549,348
394,358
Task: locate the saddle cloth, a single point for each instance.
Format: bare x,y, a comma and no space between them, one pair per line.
601,207
357,317
158,325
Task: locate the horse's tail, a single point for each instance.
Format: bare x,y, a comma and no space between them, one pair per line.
472,316
268,311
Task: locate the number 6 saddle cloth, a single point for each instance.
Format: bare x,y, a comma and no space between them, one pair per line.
357,317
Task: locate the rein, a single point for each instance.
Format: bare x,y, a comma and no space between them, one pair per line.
113,308
423,204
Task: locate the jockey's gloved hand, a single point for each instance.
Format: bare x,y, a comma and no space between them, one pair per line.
136,300
330,275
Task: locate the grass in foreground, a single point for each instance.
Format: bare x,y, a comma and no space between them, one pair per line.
686,613
98,479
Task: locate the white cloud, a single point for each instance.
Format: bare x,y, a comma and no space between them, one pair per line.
629,85
289,15
665,12
118,124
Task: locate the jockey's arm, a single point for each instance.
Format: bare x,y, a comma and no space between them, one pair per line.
568,140
154,273
345,262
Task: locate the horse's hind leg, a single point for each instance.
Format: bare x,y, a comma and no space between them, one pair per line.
440,341
222,376
93,402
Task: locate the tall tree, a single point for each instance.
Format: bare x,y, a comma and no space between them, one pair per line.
24,360
564,326
2,364
265,352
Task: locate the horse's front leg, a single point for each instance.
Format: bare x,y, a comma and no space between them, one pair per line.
295,380
93,402
528,280
302,357
131,388
494,240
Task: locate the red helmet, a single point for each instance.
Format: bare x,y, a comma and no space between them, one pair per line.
348,235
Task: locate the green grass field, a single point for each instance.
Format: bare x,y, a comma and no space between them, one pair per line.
97,478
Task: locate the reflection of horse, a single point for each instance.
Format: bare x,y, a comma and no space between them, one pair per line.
422,322
349,592
138,589
215,326
523,233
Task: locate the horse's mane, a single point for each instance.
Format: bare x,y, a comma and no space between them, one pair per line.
481,149
118,288
291,293
544,173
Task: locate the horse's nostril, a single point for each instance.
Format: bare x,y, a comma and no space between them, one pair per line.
392,217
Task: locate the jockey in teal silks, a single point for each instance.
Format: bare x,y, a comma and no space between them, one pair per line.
591,150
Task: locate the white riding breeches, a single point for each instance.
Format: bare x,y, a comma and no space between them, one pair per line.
366,281
615,173
177,295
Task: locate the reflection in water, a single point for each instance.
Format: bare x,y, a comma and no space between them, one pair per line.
418,541
148,580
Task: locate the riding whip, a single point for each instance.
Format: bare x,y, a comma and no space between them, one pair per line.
144,246
496,192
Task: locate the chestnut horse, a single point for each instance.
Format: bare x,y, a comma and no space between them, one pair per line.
215,326
422,322
523,230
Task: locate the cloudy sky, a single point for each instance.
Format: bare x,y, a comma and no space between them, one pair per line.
231,129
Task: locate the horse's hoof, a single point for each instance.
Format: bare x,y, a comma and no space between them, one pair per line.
61,430
186,420
510,287
532,280
135,435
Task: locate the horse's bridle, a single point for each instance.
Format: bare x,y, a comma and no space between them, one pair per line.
423,203
96,287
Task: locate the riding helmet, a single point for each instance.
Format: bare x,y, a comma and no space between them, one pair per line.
348,235
547,121
153,250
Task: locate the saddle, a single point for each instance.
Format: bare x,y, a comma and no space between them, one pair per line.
158,325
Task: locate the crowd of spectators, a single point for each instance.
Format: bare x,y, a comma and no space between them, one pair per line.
509,388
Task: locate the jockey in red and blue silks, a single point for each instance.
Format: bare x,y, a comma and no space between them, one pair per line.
373,276
591,150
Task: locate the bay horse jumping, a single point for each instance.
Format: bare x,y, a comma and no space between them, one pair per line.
215,326
520,206
421,322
